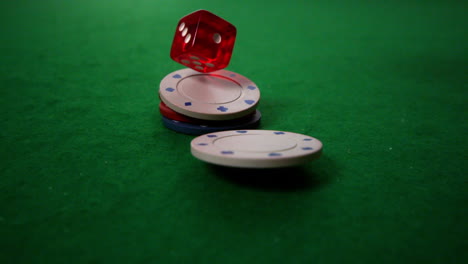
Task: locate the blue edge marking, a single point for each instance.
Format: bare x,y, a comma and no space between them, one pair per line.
194,129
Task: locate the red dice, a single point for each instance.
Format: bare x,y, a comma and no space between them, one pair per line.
203,41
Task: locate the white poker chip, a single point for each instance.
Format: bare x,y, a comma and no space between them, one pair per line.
256,148
220,95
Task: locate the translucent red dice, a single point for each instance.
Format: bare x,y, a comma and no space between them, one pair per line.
203,41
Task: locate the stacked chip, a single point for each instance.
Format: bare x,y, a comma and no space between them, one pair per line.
198,103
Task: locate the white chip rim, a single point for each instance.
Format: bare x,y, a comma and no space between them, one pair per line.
270,148
244,95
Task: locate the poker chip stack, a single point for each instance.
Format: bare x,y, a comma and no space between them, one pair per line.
220,106
198,103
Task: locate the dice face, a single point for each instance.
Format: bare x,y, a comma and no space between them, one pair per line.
203,42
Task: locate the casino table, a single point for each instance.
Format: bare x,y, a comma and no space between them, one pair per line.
89,174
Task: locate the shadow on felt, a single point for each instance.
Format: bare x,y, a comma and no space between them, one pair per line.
300,178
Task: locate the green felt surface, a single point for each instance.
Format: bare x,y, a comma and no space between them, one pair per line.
88,174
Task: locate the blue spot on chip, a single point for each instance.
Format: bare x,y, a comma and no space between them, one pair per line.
170,89
177,76
222,109
227,152
274,154
249,102
188,103
241,131
307,148
211,136
251,87
279,133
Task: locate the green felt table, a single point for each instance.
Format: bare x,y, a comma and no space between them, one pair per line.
88,174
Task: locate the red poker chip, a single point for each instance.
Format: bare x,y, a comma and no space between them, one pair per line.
171,114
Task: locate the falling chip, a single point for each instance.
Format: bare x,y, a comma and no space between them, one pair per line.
199,67
194,58
196,62
185,61
209,64
255,149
